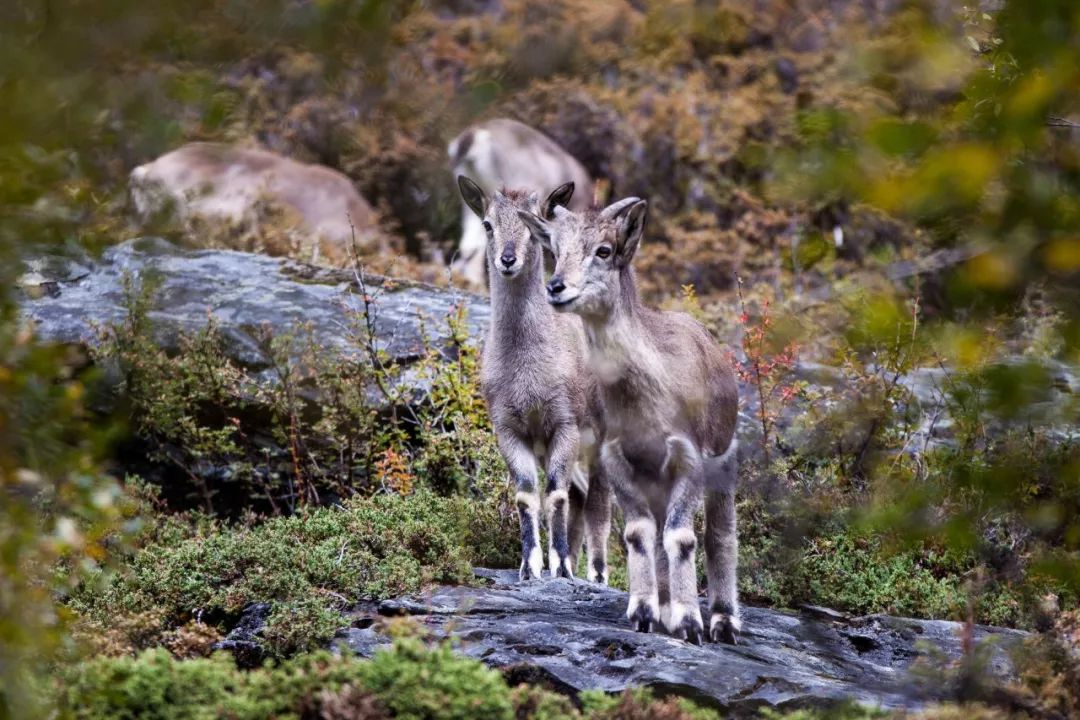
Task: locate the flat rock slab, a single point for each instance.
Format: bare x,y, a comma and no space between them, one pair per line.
573,636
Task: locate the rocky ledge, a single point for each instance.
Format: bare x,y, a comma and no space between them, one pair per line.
572,636
246,295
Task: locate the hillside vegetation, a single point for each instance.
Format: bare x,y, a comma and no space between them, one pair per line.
873,188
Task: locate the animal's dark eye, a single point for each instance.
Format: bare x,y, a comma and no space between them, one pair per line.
487,227
603,252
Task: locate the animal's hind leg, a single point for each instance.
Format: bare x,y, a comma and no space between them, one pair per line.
663,574
722,549
576,523
597,526
522,465
683,464
562,459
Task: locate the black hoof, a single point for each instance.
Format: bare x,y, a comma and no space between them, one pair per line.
643,619
526,574
689,630
725,632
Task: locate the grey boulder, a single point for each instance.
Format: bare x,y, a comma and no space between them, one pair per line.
248,296
573,636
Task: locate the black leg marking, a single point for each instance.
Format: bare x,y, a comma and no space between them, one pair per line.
635,542
722,607
686,550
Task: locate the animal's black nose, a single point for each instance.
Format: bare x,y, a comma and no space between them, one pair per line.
508,259
556,285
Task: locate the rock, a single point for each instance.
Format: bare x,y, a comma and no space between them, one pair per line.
246,294
244,641
572,636
788,75
251,299
922,395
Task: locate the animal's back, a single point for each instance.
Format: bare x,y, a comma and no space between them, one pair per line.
223,181
704,377
507,153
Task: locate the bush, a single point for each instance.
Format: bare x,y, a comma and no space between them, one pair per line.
855,573
311,566
410,681
417,683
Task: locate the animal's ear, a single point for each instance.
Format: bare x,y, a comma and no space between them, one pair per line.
538,227
631,228
559,197
473,196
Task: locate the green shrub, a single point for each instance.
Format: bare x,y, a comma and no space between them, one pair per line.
310,566
846,711
641,704
155,685
792,553
409,680
855,573
418,683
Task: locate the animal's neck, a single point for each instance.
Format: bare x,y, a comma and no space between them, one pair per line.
617,337
518,306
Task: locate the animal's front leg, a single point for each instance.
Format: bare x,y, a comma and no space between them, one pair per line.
562,458
683,465
643,612
522,465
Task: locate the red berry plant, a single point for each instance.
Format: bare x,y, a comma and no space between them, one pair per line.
767,365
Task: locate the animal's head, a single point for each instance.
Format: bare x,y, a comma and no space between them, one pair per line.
509,246
592,253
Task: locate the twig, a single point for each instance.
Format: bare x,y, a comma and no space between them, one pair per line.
306,491
902,357
1062,122
756,364
370,311
341,553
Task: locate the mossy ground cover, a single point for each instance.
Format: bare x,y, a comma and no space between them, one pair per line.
420,681
311,566
412,681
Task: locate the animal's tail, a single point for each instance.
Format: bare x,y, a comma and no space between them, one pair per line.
722,471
